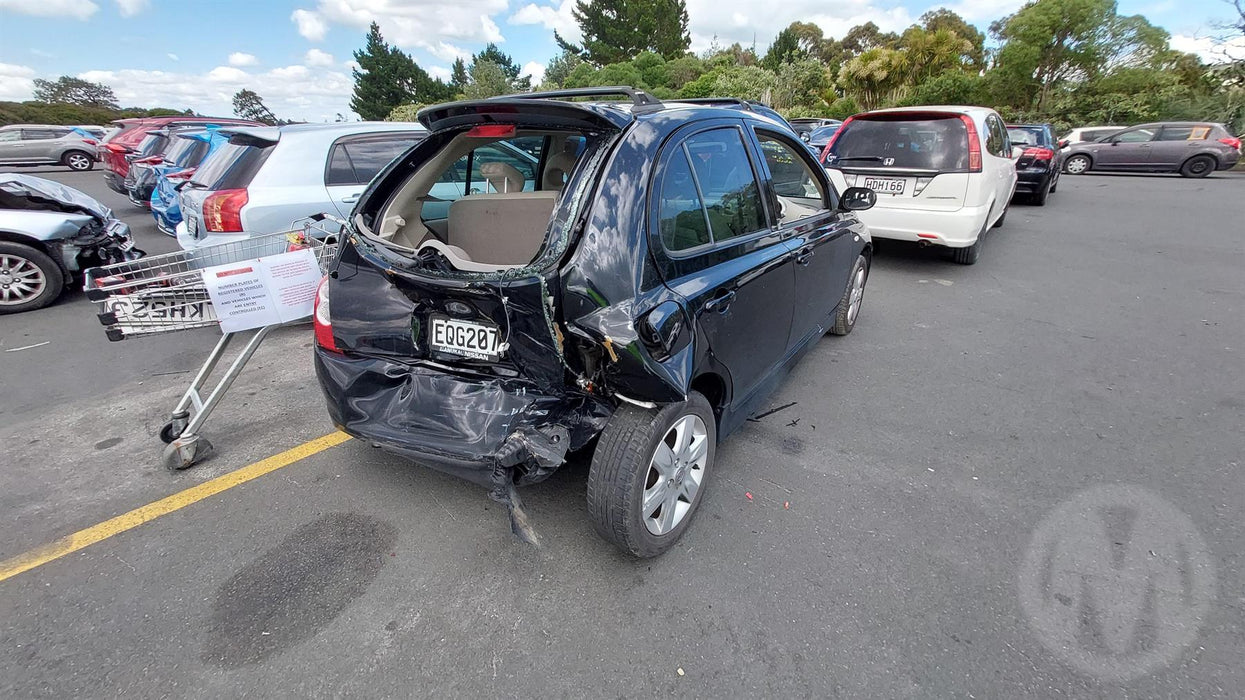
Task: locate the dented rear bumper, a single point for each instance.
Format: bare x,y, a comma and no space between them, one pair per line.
496,432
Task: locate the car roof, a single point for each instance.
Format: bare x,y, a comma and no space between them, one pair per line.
35,126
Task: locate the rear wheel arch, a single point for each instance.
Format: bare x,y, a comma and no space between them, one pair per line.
1214,164
713,387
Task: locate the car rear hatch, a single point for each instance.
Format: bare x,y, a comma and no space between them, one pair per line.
212,199
912,160
407,300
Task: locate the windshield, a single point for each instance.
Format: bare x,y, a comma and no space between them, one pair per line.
1028,136
822,134
231,167
926,143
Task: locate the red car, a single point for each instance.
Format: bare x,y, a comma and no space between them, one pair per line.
128,133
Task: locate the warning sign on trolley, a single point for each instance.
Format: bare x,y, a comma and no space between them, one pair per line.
264,291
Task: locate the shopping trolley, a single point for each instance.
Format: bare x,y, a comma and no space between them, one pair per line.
166,293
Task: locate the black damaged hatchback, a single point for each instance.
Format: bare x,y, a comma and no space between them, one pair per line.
544,272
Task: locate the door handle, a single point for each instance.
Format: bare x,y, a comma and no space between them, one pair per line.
804,257
720,303
351,199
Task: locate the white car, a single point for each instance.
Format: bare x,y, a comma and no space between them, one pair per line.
943,175
267,178
1089,133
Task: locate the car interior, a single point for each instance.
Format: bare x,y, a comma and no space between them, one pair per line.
483,203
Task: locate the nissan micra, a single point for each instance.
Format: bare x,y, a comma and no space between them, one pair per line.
541,276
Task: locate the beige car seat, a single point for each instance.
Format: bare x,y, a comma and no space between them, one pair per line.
502,177
558,167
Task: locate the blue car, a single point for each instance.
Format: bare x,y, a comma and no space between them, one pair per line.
173,172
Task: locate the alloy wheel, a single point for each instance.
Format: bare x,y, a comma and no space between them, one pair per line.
20,280
78,161
857,294
674,474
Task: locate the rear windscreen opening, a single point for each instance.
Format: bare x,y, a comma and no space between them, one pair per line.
895,141
232,166
484,199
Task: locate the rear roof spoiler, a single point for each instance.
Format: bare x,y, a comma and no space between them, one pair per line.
639,98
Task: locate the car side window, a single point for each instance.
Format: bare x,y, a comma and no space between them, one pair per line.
1134,136
37,134
681,215
800,194
357,162
997,142
727,184
13,135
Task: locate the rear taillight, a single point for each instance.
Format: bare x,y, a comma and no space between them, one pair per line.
90,142
1231,141
222,211
323,322
181,174
150,160
974,144
116,148
1038,153
834,137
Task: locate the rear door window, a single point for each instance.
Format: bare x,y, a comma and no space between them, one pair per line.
709,193
924,143
1135,136
41,134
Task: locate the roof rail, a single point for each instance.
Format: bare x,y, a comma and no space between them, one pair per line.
736,101
638,97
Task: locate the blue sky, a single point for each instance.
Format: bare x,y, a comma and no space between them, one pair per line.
297,53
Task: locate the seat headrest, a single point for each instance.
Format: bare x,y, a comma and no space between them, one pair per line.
558,167
502,177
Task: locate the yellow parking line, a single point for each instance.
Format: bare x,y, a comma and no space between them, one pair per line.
127,521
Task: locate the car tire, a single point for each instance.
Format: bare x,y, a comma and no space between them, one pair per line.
998,223
853,298
1039,197
42,279
625,467
1077,165
1198,166
77,161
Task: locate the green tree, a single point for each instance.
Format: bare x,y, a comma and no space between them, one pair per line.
784,49
560,68
249,105
805,83
683,70
494,55
942,18
616,30
403,113
487,79
458,75
74,91
876,77
932,52
652,68
866,36
388,77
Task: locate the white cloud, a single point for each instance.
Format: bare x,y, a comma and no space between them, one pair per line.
1209,49
534,69
238,59
351,65
172,57
557,18
439,72
299,93
129,8
226,74
316,57
411,24
77,9
310,26
446,51
16,82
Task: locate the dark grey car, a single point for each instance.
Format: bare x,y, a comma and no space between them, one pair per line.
1193,149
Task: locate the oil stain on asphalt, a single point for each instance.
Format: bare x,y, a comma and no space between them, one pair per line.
296,588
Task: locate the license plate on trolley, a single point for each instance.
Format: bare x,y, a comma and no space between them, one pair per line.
134,309
470,339
886,185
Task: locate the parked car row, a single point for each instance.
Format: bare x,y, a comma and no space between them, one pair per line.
45,144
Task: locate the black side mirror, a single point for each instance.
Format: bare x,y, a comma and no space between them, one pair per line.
857,199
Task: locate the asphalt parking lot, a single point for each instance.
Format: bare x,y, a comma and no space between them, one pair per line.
1016,479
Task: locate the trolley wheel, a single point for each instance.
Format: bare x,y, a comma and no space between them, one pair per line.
172,430
186,452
